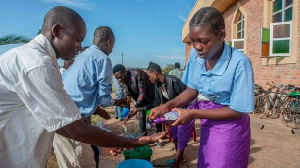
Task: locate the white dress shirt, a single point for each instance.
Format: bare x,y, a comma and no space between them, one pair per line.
33,104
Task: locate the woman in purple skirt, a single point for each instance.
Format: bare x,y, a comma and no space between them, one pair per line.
224,78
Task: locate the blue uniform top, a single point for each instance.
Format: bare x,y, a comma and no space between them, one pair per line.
88,81
230,82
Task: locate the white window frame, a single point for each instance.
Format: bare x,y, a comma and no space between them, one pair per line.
233,40
261,41
274,39
242,21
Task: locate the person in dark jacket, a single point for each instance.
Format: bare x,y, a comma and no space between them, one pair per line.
167,87
136,84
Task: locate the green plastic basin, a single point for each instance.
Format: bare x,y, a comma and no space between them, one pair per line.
141,152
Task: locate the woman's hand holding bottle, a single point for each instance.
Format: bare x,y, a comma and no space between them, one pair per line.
158,111
184,115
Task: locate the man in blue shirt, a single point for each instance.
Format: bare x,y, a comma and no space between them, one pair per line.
88,83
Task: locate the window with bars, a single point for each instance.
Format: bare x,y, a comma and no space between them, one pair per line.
276,41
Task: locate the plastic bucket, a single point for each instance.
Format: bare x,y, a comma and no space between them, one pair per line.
132,163
141,152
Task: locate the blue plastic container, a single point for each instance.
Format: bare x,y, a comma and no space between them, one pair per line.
132,163
125,112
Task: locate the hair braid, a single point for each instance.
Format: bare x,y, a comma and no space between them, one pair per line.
209,16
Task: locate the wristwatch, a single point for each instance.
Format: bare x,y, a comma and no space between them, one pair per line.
144,108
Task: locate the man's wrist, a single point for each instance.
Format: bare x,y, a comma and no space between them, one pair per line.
119,102
115,102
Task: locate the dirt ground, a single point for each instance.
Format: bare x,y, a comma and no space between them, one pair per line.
274,146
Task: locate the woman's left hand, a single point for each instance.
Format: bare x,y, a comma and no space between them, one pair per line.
185,115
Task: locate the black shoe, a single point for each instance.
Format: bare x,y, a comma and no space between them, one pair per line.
116,117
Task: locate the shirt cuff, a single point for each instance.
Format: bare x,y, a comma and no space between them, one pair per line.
112,102
63,122
241,110
106,102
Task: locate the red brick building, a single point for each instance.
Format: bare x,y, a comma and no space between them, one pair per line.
267,31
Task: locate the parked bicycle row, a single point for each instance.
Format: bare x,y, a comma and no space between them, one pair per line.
276,100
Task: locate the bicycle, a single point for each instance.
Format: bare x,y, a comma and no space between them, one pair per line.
291,111
260,101
267,102
276,100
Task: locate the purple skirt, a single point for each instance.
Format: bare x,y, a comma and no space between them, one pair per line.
182,134
223,143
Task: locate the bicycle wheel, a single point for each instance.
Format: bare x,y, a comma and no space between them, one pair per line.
256,104
274,110
290,113
260,103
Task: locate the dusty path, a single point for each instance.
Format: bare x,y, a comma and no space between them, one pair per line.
272,147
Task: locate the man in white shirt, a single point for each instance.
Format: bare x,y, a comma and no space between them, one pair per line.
33,103
176,72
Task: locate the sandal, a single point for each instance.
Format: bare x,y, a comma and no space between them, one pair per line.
160,144
170,161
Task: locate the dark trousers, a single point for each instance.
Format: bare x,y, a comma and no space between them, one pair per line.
96,154
158,127
142,122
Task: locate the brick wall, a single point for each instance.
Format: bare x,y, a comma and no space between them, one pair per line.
283,74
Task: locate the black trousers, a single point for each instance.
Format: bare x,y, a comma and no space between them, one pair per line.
142,123
158,128
96,154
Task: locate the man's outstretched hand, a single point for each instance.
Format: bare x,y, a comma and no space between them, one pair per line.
145,140
133,112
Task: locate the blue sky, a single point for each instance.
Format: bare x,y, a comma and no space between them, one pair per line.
145,30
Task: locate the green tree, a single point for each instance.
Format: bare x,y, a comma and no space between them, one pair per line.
13,39
167,68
